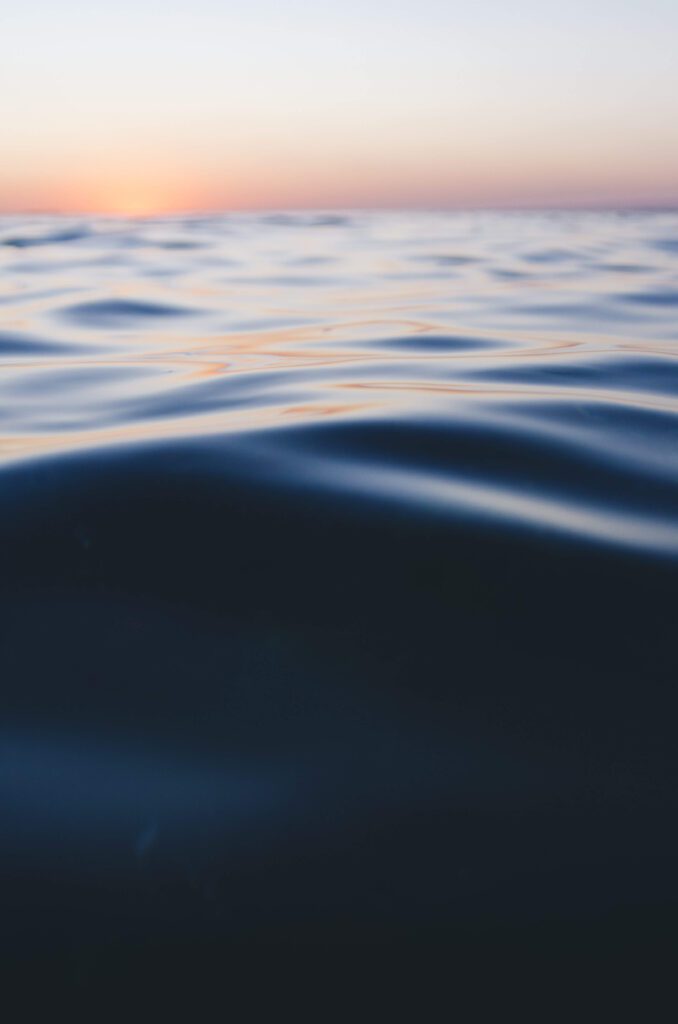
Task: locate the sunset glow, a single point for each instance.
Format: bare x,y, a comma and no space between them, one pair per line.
147,108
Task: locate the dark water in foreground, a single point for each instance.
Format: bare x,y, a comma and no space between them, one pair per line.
338,593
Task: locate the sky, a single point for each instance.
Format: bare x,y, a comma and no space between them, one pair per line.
151,106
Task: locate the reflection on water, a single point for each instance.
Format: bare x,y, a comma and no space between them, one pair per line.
339,575
535,331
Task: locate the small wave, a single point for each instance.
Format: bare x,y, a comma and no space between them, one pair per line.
112,313
310,220
668,245
659,297
18,344
551,256
429,342
30,241
635,373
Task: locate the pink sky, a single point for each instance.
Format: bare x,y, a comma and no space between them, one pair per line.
148,107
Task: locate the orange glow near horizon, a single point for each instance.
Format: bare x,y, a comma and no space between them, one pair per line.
119,191
149,108
130,199
282,184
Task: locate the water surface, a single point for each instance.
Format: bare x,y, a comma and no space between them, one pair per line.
339,575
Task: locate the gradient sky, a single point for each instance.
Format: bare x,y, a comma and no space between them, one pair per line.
154,105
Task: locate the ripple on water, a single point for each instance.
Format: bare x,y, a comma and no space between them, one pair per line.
363,343
338,580
112,313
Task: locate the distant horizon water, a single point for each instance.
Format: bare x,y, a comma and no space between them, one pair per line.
648,207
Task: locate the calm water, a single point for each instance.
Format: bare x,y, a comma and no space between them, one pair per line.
339,567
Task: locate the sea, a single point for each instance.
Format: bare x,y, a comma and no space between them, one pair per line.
338,580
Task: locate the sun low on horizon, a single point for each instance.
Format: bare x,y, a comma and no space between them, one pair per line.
150,108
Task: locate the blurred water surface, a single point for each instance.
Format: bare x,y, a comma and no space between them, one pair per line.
504,365
339,573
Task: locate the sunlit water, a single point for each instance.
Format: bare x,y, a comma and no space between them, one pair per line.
312,521
519,367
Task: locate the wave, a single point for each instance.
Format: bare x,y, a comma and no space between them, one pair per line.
118,312
337,603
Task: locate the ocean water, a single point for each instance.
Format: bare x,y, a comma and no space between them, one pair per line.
338,591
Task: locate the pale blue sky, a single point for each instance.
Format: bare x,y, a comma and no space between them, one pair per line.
368,102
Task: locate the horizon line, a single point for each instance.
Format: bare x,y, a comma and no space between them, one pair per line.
670,206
